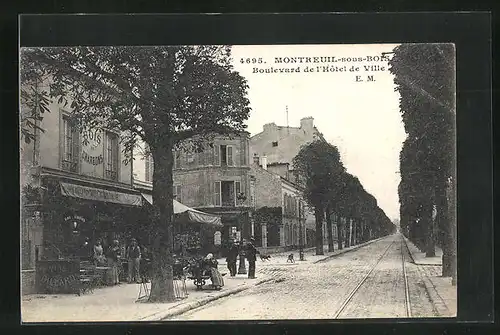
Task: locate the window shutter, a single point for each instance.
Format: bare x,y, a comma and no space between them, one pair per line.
146,160
229,155
237,191
217,191
217,155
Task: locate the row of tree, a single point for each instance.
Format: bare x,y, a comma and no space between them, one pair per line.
333,192
424,75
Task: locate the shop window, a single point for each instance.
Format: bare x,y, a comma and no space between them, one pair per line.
177,193
69,146
112,156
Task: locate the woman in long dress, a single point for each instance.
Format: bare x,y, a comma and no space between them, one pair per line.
215,276
113,262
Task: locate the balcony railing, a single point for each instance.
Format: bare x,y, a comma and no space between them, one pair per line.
70,166
110,174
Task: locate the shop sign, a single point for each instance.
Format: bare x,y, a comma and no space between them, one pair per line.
58,276
91,193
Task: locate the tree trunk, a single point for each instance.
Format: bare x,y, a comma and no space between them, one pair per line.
340,226
348,232
329,228
319,213
162,289
428,230
444,227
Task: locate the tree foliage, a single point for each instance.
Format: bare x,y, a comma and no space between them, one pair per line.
424,75
166,96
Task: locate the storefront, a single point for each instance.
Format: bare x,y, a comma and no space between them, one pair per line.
195,232
77,214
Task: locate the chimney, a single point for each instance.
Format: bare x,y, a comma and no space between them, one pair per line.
270,127
307,123
264,162
256,159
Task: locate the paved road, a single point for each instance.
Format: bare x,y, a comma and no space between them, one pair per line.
316,291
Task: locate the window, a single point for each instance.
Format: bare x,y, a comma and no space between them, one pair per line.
217,155
275,144
226,155
70,146
229,159
217,193
111,156
177,193
177,159
237,191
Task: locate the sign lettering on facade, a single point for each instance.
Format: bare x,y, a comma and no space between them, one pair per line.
91,193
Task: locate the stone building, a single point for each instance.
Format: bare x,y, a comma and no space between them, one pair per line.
285,227
278,145
216,180
72,192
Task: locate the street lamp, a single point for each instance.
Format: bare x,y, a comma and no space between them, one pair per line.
241,267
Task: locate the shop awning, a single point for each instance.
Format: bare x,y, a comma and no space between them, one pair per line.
98,194
193,214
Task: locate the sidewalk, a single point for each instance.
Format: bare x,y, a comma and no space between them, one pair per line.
118,303
442,293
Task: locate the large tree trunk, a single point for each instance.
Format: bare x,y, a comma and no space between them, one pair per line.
444,227
329,228
319,213
162,289
428,230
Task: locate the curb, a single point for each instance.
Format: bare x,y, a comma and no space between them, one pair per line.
438,303
343,251
198,303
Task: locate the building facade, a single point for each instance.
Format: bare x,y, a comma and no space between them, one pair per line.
215,180
276,146
73,191
280,211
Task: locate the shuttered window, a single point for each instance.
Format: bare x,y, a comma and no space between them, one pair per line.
217,194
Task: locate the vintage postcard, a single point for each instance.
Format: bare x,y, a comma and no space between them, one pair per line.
238,182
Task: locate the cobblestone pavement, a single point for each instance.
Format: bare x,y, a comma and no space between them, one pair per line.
317,291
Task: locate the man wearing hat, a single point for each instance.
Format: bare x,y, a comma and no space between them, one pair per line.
251,254
134,260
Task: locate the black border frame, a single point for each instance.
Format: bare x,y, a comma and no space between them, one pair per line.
471,33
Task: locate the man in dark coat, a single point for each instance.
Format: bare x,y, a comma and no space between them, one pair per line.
231,258
251,254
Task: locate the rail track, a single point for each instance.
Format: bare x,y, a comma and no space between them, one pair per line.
356,289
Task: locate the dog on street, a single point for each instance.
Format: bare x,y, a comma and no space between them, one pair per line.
265,258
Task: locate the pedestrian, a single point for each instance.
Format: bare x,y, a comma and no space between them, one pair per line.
210,266
99,259
133,255
113,262
231,258
251,255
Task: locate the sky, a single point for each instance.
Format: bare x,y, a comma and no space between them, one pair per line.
358,115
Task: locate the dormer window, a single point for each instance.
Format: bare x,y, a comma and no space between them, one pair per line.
275,144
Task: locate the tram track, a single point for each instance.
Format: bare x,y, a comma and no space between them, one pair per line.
355,291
